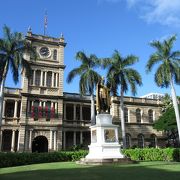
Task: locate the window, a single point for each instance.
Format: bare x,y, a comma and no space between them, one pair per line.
31,77
55,54
153,140
126,114
138,115
140,141
35,110
77,112
128,140
150,115
86,110
69,111
48,110
38,77
49,79
9,109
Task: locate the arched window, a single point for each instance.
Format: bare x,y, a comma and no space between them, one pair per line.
38,77
128,140
153,140
150,115
55,54
138,115
49,79
126,114
140,141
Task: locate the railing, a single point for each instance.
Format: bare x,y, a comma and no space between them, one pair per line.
10,120
9,90
77,122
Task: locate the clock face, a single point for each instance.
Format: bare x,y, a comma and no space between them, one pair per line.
44,51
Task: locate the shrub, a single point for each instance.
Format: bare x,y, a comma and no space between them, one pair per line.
146,154
17,159
153,154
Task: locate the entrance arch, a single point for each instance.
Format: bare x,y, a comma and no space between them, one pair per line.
40,144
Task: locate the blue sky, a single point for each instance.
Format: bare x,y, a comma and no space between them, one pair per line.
98,27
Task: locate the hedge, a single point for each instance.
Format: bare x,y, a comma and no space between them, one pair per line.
146,154
153,154
17,159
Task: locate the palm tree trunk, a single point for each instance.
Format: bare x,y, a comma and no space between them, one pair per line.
1,99
175,104
93,122
122,118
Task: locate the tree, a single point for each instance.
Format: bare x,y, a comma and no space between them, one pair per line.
88,77
120,74
12,48
168,71
167,123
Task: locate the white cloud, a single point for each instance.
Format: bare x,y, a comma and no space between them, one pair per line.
164,12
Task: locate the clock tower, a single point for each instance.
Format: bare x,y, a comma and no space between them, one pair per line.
42,95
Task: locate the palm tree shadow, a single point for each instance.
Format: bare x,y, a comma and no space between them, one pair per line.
142,172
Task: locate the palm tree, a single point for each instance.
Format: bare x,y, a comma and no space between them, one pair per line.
120,74
12,48
168,71
88,77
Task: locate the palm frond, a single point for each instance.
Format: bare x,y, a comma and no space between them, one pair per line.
130,60
154,59
81,56
157,45
162,76
73,73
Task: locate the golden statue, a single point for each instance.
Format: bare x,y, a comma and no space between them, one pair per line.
102,97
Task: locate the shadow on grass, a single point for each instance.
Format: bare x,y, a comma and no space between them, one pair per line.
145,171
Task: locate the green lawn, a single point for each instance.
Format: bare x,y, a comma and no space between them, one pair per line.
70,170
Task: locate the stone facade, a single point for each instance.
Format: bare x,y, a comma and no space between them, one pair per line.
41,117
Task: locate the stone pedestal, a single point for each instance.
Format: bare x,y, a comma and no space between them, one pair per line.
104,147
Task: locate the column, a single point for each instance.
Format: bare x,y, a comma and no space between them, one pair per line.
74,112
64,140
3,111
56,108
15,109
81,137
81,115
54,140
129,115
154,115
13,140
51,135
74,138
30,139
41,82
142,116
34,77
52,80
18,140
1,134
45,78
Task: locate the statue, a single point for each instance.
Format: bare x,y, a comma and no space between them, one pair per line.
102,97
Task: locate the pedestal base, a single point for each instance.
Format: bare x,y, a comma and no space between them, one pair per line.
104,148
85,161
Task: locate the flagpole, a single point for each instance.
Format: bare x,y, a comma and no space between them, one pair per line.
45,22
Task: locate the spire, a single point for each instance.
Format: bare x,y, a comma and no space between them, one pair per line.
45,22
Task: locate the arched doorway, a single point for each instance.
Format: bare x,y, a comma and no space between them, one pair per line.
40,144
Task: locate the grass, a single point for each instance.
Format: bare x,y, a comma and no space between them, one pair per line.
70,170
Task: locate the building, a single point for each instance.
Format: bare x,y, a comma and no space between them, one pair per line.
157,96
40,117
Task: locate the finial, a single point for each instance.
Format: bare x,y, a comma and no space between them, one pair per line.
62,36
29,29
